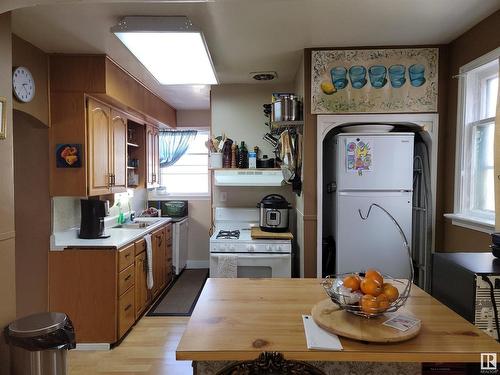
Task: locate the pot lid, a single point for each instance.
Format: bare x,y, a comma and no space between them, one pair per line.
37,324
274,201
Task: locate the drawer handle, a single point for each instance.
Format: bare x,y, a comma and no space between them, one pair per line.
128,277
127,255
128,307
160,239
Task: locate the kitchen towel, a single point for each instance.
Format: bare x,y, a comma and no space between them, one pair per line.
149,261
317,338
227,265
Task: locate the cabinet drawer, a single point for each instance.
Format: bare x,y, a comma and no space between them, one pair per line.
168,232
126,257
126,312
126,279
140,246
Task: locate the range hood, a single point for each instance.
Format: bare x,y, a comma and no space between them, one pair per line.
248,177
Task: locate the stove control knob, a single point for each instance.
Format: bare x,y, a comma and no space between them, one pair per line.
269,248
251,248
280,248
232,248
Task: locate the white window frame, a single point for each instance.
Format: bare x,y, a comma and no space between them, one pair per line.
158,194
479,222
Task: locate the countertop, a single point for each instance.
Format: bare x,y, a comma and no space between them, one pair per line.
118,237
240,318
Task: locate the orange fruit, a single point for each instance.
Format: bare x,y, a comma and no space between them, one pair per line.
383,302
390,291
371,286
369,304
372,273
352,282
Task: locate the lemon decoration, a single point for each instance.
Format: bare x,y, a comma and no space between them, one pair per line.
328,88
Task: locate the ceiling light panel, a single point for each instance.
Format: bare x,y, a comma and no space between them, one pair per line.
171,48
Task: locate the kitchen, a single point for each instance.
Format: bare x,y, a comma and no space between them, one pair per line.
235,110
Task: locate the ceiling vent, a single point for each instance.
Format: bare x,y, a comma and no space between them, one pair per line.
264,76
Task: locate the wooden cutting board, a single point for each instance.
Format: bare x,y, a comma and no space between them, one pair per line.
259,234
331,318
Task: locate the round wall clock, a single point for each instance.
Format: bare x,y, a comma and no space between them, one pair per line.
23,84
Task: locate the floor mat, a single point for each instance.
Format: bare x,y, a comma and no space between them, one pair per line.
181,297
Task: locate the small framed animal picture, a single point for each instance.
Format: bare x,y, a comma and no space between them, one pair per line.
68,156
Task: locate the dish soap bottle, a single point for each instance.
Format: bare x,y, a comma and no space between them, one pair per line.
243,156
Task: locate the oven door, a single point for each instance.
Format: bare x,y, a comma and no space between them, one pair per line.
256,265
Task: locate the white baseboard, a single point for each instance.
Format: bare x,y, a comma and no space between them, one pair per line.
92,346
198,264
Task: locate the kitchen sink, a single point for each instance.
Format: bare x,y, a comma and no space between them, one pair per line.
139,223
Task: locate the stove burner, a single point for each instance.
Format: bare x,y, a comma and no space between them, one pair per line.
228,234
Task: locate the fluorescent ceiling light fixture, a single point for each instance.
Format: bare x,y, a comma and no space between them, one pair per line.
171,48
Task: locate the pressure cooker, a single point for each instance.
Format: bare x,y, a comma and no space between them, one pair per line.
274,213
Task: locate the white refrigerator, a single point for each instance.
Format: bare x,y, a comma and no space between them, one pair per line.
372,168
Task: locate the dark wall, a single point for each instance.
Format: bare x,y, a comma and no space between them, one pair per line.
32,213
481,39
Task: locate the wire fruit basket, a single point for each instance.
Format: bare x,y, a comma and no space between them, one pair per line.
350,300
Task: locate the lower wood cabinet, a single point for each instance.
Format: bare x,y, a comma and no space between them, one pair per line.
104,291
142,294
126,312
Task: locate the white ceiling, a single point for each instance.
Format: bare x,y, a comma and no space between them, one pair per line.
251,35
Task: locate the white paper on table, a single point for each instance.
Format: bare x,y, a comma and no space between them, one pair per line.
317,338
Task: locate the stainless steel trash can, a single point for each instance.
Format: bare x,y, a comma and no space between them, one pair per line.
39,344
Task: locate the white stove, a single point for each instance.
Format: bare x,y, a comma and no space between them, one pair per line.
232,242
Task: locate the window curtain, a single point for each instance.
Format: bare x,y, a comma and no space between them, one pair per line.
174,144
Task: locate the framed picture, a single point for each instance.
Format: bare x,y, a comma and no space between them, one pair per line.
374,80
68,155
3,118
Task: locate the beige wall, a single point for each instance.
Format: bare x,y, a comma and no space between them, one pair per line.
237,112
32,213
7,234
193,118
31,205
27,55
199,227
481,39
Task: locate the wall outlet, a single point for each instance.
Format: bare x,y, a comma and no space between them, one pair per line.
223,196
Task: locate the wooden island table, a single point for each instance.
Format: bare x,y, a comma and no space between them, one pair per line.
238,319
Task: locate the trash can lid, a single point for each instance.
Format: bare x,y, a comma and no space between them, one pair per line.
37,324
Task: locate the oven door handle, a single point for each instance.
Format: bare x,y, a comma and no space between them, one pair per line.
264,256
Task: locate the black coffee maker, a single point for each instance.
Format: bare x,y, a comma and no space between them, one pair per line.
92,223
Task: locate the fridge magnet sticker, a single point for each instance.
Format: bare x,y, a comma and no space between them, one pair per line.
359,155
68,156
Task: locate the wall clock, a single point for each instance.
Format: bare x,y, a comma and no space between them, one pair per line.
23,84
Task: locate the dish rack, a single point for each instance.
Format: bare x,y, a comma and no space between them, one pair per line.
333,284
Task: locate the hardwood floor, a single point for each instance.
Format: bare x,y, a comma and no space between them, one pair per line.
148,349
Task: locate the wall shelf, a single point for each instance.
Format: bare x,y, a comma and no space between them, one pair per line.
286,124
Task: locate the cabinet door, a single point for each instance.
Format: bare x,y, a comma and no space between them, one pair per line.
141,289
99,118
119,151
150,150
156,157
126,312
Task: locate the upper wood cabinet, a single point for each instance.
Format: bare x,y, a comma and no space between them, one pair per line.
99,145
92,100
119,147
153,157
107,149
